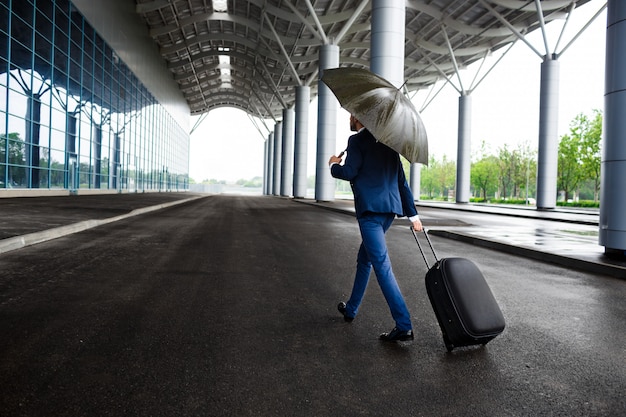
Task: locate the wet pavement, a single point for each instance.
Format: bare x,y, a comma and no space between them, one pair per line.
184,304
567,237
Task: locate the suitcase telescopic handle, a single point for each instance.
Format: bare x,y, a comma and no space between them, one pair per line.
419,245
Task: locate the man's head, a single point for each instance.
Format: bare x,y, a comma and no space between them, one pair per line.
355,125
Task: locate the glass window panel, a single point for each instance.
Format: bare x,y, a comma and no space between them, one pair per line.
24,11
76,33
62,22
16,125
57,140
3,95
45,13
4,18
57,177
43,45
61,58
17,150
17,176
58,118
21,55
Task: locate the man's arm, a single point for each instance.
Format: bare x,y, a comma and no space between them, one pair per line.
408,201
351,167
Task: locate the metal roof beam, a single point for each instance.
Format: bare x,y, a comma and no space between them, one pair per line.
272,84
321,36
542,24
510,26
594,17
152,6
283,50
317,21
350,22
264,104
451,54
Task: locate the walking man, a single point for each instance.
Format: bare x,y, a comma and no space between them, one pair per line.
380,193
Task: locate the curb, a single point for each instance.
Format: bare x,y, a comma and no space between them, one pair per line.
561,260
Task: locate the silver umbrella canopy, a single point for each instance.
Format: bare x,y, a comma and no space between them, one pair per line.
387,113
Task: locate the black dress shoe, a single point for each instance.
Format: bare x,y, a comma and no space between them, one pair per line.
396,334
342,309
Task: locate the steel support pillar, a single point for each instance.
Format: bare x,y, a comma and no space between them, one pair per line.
387,53
548,151
270,164
326,126
303,97
278,144
414,181
286,181
387,44
612,233
266,164
463,156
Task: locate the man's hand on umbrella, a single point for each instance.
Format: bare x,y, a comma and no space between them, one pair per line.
335,159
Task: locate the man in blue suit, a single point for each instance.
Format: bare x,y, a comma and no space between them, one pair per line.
380,193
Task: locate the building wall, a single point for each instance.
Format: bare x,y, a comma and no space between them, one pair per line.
74,116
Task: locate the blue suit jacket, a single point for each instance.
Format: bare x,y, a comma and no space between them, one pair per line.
376,175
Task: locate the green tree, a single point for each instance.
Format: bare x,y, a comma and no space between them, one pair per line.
570,171
579,154
591,156
484,175
509,167
526,179
438,177
446,176
427,177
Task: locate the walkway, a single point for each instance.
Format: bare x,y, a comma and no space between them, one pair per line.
226,306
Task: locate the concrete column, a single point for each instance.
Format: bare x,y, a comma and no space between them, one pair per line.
266,165
303,97
326,126
464,157
548,151
387,54
387,44
278,155
414,181
612,234
270,164
286,180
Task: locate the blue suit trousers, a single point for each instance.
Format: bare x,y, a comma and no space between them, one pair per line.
373,253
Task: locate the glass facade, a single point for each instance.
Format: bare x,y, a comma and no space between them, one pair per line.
72,115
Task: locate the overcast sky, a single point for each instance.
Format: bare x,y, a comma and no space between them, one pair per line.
505,106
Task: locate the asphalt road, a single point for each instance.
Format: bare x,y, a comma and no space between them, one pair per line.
226,306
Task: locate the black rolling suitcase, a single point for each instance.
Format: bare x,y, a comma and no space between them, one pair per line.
466,310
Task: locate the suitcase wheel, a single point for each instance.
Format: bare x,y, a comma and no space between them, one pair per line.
447,342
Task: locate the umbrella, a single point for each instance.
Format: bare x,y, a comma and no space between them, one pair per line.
382,109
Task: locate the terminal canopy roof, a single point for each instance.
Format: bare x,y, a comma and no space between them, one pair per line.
253,54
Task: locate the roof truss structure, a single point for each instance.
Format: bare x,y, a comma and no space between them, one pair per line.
252,54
